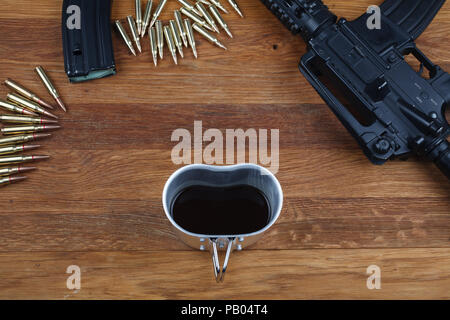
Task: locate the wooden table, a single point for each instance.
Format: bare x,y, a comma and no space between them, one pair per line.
97,203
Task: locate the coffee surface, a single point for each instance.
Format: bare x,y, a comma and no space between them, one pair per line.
221,210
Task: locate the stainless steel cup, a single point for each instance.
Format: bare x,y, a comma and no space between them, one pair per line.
223,176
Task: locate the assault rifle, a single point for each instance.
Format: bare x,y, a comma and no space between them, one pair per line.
390,108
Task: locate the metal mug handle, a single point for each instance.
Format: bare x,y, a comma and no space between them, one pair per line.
219,272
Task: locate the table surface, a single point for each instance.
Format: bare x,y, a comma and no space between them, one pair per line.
97,203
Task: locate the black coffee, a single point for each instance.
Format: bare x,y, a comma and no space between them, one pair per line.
221,211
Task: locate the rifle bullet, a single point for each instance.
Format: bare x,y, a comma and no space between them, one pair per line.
8,180
219,5
181,28
14,108
19,100
176,37
21,159
153,45
14,170
190,36
134,32
26,93
207,16
158,10
16,149
189,6
170,43
28,129
196,18
50,87
160,38
23,138
235,7
215,12
208,36
125,37
138,16
147,16
5,118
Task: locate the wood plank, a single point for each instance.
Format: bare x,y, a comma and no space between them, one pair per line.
127,142
105,225
93,175
299,274
217,77
97,202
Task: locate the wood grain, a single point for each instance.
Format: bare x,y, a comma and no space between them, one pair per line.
97,203
260,274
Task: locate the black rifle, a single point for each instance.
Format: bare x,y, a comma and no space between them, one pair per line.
391,109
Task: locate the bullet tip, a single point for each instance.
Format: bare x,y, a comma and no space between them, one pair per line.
221,45
61,104
153,21
25,169
41,135
174,57
51,115
17,179
48,121
30,147
29,113
45,104
40,157
52,127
